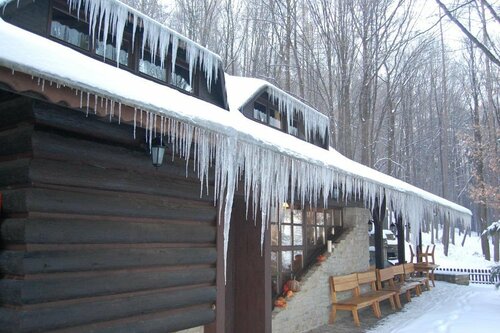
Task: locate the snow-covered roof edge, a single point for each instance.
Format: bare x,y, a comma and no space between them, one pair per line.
113,15
245,89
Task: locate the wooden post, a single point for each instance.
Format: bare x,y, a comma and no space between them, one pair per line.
401,239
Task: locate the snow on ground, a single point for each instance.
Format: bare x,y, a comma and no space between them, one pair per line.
447,308
450,308
468,256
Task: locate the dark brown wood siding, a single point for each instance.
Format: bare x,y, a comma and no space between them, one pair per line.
94,238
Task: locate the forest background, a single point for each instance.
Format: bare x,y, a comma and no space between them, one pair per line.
411,87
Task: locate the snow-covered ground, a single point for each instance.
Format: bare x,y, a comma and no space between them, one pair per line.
450,308
468,256
447,308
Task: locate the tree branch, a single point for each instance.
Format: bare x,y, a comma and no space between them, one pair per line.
473,39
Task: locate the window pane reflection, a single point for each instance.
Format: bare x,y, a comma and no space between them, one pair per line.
286,235
154,70
180,79
286,259
275,118
69,34
297,235
259,112
320,218
320,235
297,216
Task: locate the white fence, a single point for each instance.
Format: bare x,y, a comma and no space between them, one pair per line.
476,275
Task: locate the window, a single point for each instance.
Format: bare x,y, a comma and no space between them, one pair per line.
180,78
268,115
152,68
68,29
275,119
297,127
266,111
109,52
298,236
260,113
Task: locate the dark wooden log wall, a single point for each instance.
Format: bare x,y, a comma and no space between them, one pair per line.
94,238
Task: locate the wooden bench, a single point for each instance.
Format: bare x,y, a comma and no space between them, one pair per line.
386,281
349,283
410,276
370,278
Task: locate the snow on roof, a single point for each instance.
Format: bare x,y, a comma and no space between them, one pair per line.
240,90
314,121
226,140
111,16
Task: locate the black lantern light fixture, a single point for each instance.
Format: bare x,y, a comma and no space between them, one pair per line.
157,152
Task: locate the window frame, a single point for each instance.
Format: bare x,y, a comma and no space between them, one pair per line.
309,253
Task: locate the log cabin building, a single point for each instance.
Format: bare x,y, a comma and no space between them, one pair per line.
94,238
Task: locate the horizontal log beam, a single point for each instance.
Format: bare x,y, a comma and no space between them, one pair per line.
80,231
61,287
73,201
21,263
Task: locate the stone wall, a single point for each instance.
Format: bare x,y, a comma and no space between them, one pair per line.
310,307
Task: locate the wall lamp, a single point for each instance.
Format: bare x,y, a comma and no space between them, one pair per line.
157,152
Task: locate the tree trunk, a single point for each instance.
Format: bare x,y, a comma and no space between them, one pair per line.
446,234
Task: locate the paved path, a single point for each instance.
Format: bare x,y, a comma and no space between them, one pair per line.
345,324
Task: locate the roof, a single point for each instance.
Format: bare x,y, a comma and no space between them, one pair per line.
235,143
113,15
314,121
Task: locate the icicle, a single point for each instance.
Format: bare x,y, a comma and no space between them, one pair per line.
81,99
119,113
95,104
135,122
111,110
87,105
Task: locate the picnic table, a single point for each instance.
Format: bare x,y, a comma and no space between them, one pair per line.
427,269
